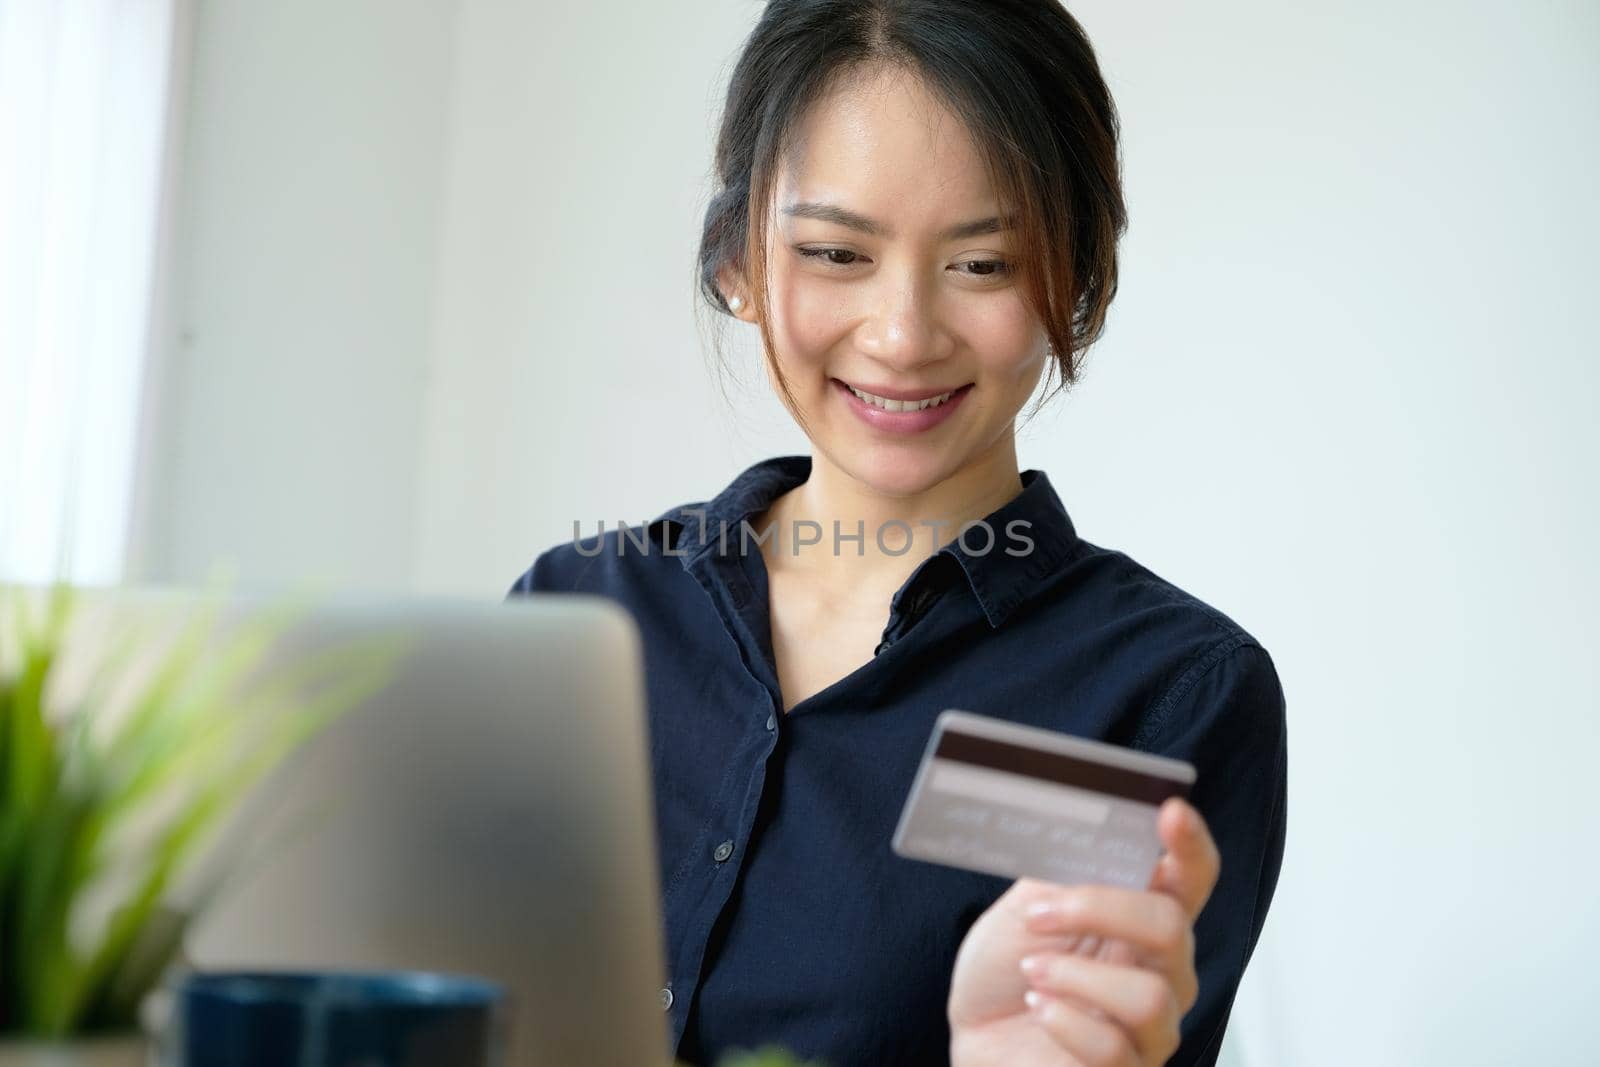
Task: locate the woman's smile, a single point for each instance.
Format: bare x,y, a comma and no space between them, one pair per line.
900,410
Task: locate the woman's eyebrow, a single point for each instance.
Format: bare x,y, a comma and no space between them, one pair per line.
807,209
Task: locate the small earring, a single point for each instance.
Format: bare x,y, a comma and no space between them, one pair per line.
735,303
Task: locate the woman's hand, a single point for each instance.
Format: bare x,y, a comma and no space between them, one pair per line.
1109,972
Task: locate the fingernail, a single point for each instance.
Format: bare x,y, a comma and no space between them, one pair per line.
1034,999
1040,910
1032,966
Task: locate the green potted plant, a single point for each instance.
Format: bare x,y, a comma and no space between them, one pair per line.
770,1056
109,794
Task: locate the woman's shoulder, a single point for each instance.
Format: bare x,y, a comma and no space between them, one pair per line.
617,556
1125,587
1199,652
610,557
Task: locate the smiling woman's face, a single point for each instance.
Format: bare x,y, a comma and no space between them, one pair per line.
889,275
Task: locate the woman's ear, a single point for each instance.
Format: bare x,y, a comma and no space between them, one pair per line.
735,294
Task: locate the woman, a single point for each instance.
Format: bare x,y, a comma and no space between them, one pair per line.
918,210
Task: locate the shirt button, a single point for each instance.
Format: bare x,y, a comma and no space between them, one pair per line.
666,998
772,722
723,851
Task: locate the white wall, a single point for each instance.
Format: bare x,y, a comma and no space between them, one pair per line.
568,379
296,355
1348,393
437,291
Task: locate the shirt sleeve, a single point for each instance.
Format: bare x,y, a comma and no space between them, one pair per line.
1227,718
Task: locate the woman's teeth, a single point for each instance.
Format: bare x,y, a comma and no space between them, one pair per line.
902,405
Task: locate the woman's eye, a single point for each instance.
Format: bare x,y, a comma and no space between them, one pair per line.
988,267
814,253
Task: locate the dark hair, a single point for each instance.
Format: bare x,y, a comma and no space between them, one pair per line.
1022,76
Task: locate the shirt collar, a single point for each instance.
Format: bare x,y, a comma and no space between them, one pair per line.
1032,533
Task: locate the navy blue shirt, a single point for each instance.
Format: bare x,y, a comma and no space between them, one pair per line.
788,919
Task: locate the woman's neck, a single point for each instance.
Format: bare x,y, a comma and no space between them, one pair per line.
933,517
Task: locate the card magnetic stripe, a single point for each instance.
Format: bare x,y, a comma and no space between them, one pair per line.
1057,767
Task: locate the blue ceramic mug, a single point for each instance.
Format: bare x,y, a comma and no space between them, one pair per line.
286,1019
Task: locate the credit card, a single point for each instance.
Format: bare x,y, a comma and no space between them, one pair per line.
1018,801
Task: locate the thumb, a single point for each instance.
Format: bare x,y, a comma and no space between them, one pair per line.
1189,867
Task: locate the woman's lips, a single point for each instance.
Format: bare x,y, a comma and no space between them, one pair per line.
917,421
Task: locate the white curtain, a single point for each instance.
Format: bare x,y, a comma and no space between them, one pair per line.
83,105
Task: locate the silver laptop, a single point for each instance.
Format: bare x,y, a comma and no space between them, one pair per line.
487,813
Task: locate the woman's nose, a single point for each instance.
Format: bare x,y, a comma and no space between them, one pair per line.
901,327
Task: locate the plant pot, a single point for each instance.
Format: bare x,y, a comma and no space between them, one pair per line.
122,1050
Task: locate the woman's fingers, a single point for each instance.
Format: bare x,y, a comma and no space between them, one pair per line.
1139,1001
1091,1042
1156,925
1154,922
1189,869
